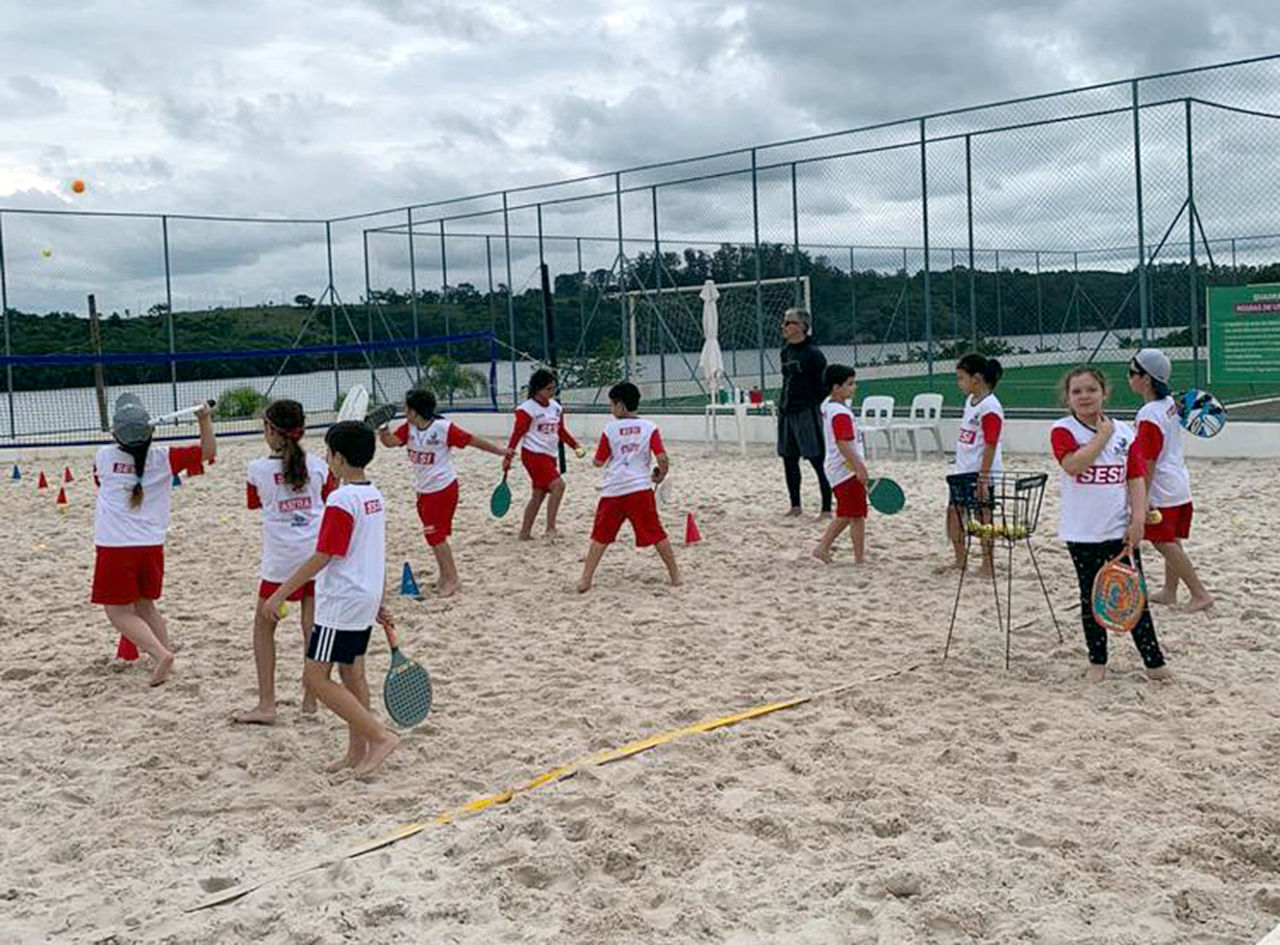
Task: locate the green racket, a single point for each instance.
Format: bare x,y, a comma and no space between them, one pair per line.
500,501
885,496
406,692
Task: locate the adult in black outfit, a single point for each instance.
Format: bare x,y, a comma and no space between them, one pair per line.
799,417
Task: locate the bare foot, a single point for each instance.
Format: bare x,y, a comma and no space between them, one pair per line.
349,760
948,567
984,572
823,516
551,535
160,675
1198,604
1162,597
524,536
677,581
1096,672
823,556
308,704
448,588
584,586
1160,674
258,716
794,512
378,753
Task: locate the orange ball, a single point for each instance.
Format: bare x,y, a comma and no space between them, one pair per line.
78,186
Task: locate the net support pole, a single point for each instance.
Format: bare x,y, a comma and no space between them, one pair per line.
657,285
444,297
1143,302
1191,256
624,301
99,382
8,343
488,264
333,313
795,240
1039,303
1075,279
853,306
968,192
755,224
511,301
955,312
542,271
582,299
906,306
1235,269
999,300
168,308
924,214
413,298
368,314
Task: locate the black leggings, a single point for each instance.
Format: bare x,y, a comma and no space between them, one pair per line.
791,464
1089,557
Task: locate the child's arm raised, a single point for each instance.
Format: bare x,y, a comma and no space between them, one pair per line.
208,441
306,571
392,440
1077,461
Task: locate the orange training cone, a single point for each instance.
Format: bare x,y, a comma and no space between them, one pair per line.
42,483
125,650
691,534
66,474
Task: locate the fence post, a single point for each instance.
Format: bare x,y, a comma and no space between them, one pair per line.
755,224
1142,246
488,263
1191,250
582,300
795,242
1039,302
999,301
368,316
968,190
168,304
1235,270
1075,286
413,299
542,262
924,207
333,313
99,379
906,306
853,305
511,302
657,283
8,346
955,313
623,307
444,296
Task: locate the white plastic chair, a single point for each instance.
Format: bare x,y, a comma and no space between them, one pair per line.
877,417
925,417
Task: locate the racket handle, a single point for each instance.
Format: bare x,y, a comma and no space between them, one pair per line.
392,640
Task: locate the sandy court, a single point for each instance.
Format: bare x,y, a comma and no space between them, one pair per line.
954,803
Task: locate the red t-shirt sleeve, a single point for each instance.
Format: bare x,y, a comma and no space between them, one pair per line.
991,425
1150,440
842,426
1063,443
251,497
566,436
1135,463
655,444
188,459
458,437
330,483
523,422
336,529
402,433
603,451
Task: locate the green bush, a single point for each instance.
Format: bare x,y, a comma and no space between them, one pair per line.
239,403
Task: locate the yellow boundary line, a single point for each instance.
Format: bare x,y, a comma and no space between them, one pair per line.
549,777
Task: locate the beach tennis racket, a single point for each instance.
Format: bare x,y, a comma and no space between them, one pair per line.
1201,413
885,496
406,691
1119,595
500,501
380,416
184,412
355,405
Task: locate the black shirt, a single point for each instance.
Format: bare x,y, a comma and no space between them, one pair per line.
802,368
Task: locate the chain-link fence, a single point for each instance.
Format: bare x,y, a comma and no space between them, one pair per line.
1047,231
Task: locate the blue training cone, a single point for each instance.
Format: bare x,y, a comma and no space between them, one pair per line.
177,480
408,586
17,473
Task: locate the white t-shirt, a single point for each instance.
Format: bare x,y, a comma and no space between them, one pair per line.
430,454
627,447
971,435
290,517
1170,482
1095,503
116,524
543,435
838,423
353,530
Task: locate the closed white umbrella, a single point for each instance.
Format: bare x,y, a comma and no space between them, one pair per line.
711,360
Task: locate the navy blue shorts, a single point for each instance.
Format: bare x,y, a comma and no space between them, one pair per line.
337,646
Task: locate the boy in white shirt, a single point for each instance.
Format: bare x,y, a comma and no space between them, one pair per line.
845,466
349,567
629,446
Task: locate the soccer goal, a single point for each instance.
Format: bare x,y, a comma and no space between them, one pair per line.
665,333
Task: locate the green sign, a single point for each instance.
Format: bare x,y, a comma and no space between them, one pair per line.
1244,334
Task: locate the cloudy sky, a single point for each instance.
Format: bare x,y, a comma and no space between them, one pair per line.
317,109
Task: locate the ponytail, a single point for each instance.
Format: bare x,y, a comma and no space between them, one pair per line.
139,453
992,371
288,422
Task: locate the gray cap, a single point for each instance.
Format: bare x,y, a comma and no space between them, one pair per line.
1155,363
130,422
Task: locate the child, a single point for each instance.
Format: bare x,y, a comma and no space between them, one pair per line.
290,487
628,448
349,565
844,465
431,440
1168,481
1104,506
129,523
977,444
540,423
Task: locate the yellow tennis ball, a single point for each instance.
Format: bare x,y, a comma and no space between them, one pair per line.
1155,517
46,253
283,610
579,452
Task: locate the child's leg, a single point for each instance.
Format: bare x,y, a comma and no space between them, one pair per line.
1178,565
594,554
668,556
146,609
553,506
1169,593
858,532
363,728
955,535
126,620
531,514
264,661
1088,559
308,618
833,530
449,583
824,487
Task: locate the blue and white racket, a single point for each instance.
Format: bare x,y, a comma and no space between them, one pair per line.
1201,413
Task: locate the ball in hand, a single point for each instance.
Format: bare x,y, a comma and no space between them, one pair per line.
1155,517
77,186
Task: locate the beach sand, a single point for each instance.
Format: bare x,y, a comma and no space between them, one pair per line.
956,802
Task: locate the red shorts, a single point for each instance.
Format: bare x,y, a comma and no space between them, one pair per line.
267,588
638,508
126,575
435,511
543,470
1175,524
851,499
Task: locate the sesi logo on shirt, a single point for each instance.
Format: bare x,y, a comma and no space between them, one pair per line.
418,458
372,506
1102,475
967,436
